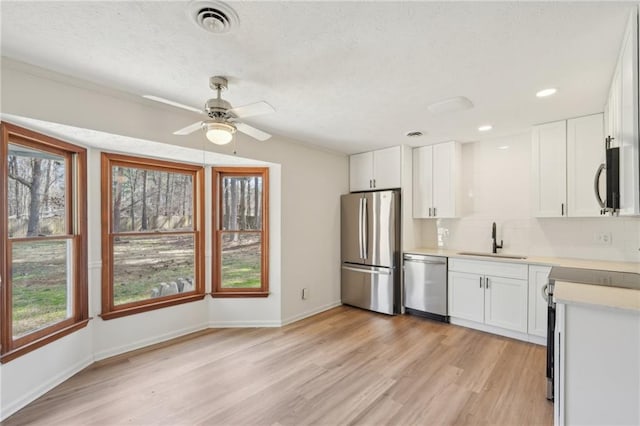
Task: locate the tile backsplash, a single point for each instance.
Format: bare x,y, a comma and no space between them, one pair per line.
496,187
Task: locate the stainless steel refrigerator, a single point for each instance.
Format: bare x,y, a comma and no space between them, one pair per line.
370,274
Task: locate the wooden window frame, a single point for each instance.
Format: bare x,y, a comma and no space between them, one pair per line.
75,231
108,161
218,174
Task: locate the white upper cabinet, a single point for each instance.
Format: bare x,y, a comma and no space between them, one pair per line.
387,168
549,156
360,171
375,170
436,180
628,121
566,155
585,153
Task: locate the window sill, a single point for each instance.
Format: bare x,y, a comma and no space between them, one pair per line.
238,294
137,309
31,346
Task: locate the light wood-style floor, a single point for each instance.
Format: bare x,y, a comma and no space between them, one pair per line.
344,366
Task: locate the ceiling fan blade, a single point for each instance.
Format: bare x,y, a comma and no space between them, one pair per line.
252,131
172,103
252,109
189,129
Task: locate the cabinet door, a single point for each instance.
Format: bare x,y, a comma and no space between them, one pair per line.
444,179
506,303
613,106
549,157
628,132
466,296
360,171
585,153
386,168
422,181
538,279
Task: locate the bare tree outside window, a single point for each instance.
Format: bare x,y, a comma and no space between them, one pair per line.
36,192
241,234
151,245
43,264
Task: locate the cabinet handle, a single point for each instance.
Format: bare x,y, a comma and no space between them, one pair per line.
374,183
562,209
434,212
486,282
480,282
429,211
370,183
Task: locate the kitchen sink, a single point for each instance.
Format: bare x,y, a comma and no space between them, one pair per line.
500,256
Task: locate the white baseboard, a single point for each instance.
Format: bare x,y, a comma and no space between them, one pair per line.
100,355
500,331
311,312
244,324
13,406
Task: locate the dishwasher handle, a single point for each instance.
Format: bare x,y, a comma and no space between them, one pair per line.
421,260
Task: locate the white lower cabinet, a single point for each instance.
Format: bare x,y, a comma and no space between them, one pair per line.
505,303
466,296
491,293
538,279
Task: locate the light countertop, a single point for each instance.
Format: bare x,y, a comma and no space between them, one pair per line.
585,294
537,260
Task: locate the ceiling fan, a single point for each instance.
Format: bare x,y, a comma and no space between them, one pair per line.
222,119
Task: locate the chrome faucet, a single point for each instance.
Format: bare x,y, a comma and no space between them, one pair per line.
495,246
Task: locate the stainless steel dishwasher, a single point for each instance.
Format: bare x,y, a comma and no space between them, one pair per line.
425,286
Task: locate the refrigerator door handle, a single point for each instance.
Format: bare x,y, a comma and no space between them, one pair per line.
360,228
372,271
365,229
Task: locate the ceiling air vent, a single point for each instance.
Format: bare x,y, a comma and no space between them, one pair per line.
213,16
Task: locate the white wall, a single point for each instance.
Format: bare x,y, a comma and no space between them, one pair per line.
29,376
304,202
496,187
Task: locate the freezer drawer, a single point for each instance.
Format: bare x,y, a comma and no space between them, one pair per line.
425,284
370,288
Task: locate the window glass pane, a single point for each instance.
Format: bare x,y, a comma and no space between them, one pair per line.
241,203
36,192
41,282
154,266
241,260
151,200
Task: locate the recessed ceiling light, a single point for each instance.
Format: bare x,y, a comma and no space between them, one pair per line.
503,147
485,128
414,134
546,92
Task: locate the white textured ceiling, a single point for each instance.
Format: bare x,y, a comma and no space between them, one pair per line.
349,76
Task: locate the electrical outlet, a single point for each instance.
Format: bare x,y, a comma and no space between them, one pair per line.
305,293
602,238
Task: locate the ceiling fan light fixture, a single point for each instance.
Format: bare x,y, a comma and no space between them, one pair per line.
219,133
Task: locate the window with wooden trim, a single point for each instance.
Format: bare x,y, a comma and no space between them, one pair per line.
43,268
240,237
152,234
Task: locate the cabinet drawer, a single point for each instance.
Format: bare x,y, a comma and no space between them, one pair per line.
496,269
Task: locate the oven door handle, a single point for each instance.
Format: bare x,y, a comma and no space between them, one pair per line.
545,295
